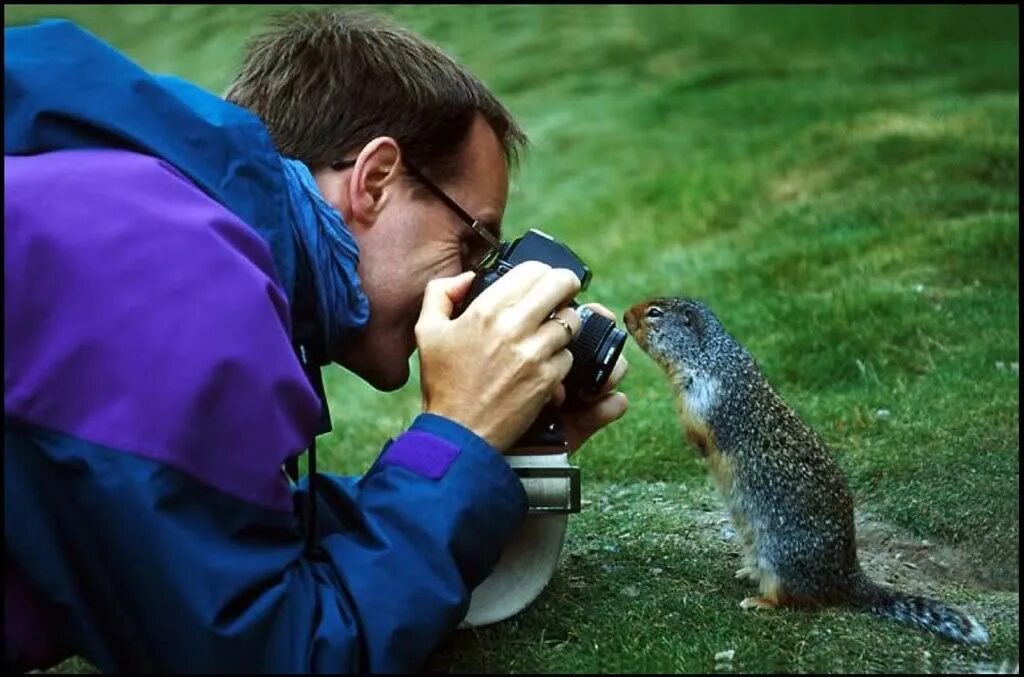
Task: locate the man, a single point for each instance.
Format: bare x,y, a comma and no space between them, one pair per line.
172,286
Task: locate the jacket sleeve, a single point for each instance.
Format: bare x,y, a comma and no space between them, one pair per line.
160,573
151,396
434,512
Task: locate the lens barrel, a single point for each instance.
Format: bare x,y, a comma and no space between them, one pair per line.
594,351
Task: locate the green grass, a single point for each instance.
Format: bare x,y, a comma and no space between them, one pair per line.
840,185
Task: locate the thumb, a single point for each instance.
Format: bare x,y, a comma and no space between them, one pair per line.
601,310
441,296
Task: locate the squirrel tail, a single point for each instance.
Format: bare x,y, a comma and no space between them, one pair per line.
921,612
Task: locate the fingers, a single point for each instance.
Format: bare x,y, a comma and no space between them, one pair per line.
557,333
601,310
561,362
609,408
580,426
530,291
442,295
512,286
550,345
553,289
559,397
618,372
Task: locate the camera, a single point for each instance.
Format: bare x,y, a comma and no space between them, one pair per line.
597,345
540,456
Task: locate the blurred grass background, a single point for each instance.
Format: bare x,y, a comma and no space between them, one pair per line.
840,184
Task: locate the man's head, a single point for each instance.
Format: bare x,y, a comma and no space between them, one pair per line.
378,114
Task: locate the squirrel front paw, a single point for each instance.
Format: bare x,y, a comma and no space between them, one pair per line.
750,573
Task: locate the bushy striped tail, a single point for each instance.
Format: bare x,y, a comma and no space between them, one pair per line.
920,612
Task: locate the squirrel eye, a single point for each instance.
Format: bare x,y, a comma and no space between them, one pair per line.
654,311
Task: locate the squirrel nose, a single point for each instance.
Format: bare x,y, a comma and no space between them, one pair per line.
629,319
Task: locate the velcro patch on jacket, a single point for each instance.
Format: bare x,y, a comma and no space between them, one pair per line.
422,453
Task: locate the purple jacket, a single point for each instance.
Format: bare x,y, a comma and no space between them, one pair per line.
151,395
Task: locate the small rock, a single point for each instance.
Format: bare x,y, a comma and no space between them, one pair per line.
882,413
725,655
1000,366
656,571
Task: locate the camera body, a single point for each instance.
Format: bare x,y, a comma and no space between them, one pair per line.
540,455
597,345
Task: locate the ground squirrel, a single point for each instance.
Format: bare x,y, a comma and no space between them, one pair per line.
787,496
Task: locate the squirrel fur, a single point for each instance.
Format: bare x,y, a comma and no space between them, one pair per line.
787,497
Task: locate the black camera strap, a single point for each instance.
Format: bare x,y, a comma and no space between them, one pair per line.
315,376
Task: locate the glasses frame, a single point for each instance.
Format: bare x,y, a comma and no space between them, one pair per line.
493,244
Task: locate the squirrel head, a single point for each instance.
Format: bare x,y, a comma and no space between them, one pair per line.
690,344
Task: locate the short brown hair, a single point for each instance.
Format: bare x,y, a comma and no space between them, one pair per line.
326,82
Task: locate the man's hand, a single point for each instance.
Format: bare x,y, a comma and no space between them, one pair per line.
607,407
494,367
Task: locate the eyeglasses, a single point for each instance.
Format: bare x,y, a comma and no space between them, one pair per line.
492,242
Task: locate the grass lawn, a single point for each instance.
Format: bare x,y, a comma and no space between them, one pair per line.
840,185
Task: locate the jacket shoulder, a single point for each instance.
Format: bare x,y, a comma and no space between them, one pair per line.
143,315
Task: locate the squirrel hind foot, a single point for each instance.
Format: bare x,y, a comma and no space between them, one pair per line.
779,602
758,603
771,594
775,596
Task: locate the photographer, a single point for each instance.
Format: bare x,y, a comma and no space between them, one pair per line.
177,271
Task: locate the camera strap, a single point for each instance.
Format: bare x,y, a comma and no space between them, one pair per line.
315,376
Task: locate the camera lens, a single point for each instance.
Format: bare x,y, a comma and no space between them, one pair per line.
594,351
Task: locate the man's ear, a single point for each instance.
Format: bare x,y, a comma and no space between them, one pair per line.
360,192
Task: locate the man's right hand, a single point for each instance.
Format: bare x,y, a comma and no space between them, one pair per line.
494,367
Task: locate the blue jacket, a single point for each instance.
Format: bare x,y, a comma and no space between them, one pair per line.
151,395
